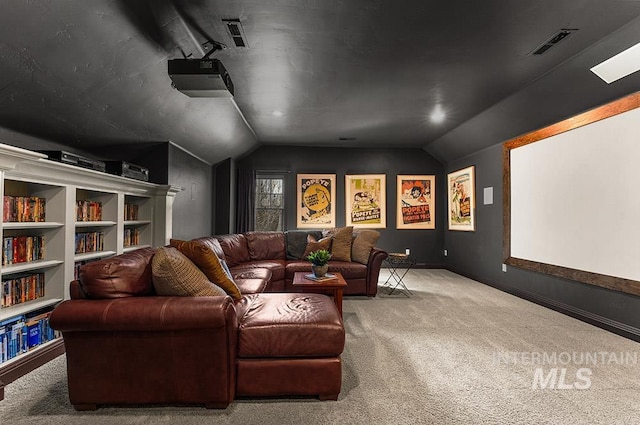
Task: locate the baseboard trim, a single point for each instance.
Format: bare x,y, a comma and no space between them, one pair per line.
420,266
428,266
605,323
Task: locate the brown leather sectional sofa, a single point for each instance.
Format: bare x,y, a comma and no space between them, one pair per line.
127,345
275,251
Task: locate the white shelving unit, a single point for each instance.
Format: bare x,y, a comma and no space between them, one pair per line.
27,173
138,223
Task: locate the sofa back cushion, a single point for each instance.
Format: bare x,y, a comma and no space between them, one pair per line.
125,275
235,248
213,244
175,275
296,242
265,246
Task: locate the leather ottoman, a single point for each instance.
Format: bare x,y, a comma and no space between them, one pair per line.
290,344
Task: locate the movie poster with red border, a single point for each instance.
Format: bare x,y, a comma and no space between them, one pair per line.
416,207
316,201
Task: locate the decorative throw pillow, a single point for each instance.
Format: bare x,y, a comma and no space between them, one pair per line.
363,243
208,262
314,245
173,274
341,246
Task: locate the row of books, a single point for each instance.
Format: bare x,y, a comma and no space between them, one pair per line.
89,242
88,211
22,333
130,212
131,237
23,208
21,249
22,288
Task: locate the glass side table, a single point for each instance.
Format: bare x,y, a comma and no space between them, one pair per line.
398,265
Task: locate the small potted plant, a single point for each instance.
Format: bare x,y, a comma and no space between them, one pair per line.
319,260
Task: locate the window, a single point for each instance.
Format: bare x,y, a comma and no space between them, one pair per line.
269,213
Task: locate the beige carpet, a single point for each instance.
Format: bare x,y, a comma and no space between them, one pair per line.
455,352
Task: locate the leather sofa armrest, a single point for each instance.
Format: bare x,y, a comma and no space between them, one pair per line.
134,314
75,290
149,350
376,257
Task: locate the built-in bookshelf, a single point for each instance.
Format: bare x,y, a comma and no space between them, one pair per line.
25,333
96,215
33,244
137,232
57,217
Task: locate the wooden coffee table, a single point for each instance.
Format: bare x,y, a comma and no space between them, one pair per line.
335,285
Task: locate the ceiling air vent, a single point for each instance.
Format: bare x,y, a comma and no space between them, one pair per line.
554,40
234,27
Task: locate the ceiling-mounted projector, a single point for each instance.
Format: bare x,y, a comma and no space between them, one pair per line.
200,77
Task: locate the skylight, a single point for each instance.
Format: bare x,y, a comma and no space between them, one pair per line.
620,65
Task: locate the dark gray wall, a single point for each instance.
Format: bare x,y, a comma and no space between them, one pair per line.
152,155
561,93
193,205
479,255
425,245
168,164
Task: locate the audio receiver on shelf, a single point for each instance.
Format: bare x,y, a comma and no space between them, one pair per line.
126,169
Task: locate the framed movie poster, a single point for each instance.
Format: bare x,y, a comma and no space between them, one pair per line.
365,202
416,207
462,203
316,197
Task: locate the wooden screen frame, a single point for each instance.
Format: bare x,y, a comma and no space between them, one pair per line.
600,113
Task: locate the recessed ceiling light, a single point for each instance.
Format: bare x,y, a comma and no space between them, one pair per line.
277,113
620,65
438,115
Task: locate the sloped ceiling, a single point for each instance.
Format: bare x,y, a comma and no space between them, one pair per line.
90,74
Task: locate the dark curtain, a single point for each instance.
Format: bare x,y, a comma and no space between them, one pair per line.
246,201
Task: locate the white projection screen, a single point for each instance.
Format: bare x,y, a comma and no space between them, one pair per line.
572,198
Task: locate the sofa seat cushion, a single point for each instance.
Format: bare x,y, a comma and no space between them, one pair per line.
252,280
243,304
349,270
275,266
290,325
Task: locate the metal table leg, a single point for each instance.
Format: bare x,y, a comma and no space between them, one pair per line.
398,269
